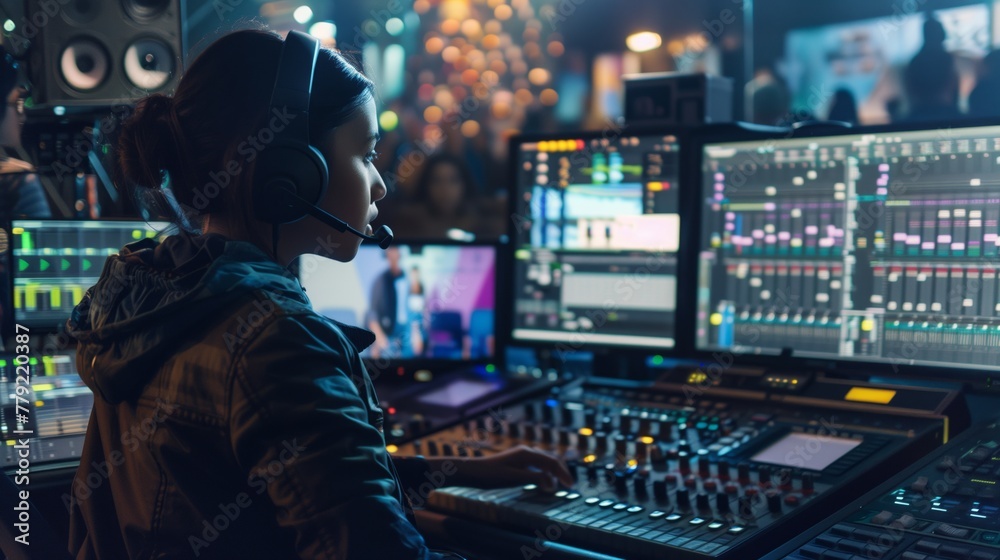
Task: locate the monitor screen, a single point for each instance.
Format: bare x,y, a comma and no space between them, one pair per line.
53,413
873,246
596,229
56,261
422,301
868,58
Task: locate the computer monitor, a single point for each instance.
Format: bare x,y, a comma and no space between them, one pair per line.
424,302
596,229
53,413
55,262
875,245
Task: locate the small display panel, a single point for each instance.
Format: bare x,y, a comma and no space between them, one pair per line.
806,451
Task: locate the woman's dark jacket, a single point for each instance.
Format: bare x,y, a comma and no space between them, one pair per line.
229,420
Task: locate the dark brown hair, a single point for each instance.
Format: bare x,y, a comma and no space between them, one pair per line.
201,137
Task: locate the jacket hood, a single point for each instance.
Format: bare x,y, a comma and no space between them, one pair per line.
151,298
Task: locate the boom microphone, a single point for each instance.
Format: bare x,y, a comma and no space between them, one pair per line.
382,236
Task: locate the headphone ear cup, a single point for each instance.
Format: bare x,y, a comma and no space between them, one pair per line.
292,166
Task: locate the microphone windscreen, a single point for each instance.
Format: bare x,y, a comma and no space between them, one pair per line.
384,236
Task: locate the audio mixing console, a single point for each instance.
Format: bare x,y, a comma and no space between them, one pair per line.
658,475
944,507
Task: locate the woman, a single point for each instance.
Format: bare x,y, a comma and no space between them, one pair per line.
230,420
444,201
21,195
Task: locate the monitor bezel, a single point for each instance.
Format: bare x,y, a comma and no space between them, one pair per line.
974,375
7,259
404,369
682,340
53,329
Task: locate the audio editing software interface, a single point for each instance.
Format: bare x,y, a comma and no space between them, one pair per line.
55,261
59,405
597,232
875,247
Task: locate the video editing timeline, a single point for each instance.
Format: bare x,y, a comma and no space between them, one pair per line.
56,261
879,247
58,406
598,231
944,507
660,477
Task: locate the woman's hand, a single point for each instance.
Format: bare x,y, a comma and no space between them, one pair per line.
514,467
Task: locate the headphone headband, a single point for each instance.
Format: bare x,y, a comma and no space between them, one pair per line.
289,164
293,84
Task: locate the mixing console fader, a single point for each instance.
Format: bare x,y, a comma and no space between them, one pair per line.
943,508
658,475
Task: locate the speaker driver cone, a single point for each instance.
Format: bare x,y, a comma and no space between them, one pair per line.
145,10
149,63
84,64
82,11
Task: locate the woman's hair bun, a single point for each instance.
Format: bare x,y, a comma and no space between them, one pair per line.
146,144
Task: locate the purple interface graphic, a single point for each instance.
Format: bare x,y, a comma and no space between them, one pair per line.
421,301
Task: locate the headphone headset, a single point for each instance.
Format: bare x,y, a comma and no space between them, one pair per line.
291,175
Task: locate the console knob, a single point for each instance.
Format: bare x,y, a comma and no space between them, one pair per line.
547,413
702,501
660,490
657,456
683,499
621,445
808,483
704,466
722,467
566,417
602,442
529,411
645,427
667,431
764,475
606,425
743,473
746,506
774,501
785,479
529,432
609,474
621,483
639,483
722,503
684,463
563,437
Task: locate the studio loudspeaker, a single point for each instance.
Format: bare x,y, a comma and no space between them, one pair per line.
671,98
104,52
